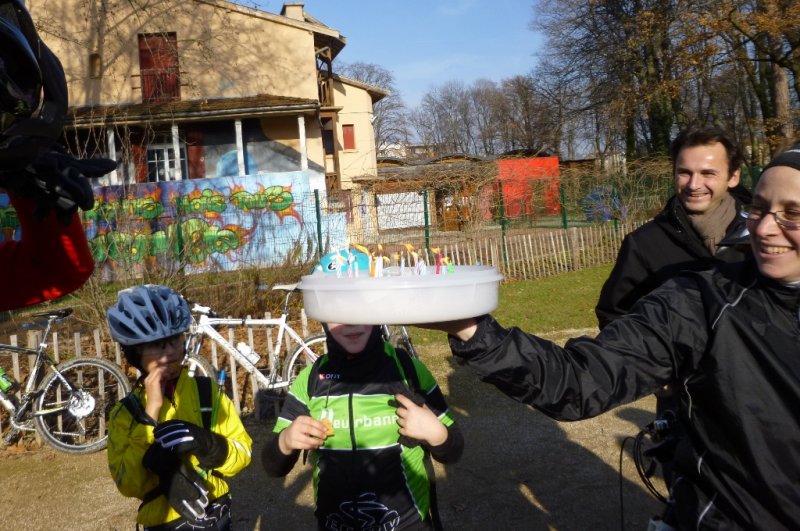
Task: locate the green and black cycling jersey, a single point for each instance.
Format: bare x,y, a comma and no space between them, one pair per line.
366,476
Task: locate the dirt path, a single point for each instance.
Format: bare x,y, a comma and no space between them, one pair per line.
520,470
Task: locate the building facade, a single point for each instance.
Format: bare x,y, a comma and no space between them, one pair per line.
191,89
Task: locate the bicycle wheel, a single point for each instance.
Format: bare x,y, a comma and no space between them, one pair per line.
300,359
73,404
198,365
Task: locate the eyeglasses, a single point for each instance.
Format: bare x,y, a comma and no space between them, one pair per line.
788,219
172,341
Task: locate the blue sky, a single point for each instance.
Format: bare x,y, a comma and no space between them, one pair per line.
428,43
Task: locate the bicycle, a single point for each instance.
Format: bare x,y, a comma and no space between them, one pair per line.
399,337
67,407
282,367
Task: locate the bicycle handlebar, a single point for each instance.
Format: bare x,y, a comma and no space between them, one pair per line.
203,310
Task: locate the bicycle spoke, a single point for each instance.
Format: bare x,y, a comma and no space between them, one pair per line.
74,420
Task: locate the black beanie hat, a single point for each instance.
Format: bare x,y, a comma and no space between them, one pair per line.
790,158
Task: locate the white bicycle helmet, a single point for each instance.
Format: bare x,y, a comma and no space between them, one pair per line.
147,313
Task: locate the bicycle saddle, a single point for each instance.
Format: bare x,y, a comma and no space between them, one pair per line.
54,314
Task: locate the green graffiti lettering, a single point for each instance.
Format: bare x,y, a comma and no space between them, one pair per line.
245,201
208,201
8,218
221,240
99,248
158,243
146,208
281,202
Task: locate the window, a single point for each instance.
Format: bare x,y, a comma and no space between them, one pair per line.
161,163
95,66
327,141
158,67
349,136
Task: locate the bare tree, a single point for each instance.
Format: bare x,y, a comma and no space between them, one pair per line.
391,121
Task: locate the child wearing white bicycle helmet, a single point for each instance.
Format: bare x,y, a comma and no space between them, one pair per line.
174,437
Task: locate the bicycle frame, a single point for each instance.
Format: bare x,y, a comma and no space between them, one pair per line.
206,324
41,361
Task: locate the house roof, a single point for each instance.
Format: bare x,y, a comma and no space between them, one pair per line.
185,111
441,172
376,92
323,35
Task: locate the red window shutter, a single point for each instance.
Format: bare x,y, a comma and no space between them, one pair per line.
158,67
349,136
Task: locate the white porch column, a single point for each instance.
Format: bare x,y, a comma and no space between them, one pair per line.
176,148
301,132
111,149
239,147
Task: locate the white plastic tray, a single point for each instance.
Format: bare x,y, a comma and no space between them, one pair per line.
468,291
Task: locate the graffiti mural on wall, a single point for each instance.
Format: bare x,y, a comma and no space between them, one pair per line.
217,223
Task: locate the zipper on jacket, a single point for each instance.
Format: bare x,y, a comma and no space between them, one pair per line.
353,471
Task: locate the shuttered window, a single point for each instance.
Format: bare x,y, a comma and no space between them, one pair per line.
349,136
158,67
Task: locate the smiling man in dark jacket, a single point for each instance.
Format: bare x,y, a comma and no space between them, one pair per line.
691,232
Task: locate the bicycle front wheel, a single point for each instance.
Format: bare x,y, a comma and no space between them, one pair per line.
74,403
302,358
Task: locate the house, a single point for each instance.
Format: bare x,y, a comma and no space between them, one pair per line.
233,90
227,123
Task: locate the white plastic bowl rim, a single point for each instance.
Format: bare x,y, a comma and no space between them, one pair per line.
462,276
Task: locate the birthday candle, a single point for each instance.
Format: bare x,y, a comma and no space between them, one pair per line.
402,265
355,269
378,266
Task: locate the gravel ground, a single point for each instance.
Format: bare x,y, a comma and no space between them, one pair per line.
520,470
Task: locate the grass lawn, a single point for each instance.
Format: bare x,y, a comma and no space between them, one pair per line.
560,302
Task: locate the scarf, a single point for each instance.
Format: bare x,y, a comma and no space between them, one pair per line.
712,225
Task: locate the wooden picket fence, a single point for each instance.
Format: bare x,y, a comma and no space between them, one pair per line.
521,254
524,254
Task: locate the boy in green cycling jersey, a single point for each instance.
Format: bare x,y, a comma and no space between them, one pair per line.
174,438
368,428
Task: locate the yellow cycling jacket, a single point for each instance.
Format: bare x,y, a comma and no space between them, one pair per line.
128,440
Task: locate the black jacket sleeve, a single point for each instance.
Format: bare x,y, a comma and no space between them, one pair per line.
632,357
628,282
451,449
275,462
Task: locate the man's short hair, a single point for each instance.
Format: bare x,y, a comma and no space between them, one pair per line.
703,137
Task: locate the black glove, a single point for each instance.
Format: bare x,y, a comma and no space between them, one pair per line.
180,483
186,492
159,460
182,437
58,181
